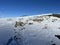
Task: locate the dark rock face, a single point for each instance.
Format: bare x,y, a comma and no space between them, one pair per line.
58,36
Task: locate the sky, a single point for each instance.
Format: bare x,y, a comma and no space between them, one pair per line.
13,8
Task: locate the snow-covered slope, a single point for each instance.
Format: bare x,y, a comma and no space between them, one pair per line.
30,30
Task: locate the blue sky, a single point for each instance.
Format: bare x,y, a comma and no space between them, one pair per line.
13,8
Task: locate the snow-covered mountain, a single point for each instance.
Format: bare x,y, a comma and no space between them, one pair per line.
30,30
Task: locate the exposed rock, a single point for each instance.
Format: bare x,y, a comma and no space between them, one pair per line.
58,36
55,15
30,23
38,19
53,44
19,24
59,28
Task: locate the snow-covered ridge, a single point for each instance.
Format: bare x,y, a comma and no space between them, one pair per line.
34,18
34,15
41,29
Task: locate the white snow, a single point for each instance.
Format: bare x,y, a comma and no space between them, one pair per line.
37,33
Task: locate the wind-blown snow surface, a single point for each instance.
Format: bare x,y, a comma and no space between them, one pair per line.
36,30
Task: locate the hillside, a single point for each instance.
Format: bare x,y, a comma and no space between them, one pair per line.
30,30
